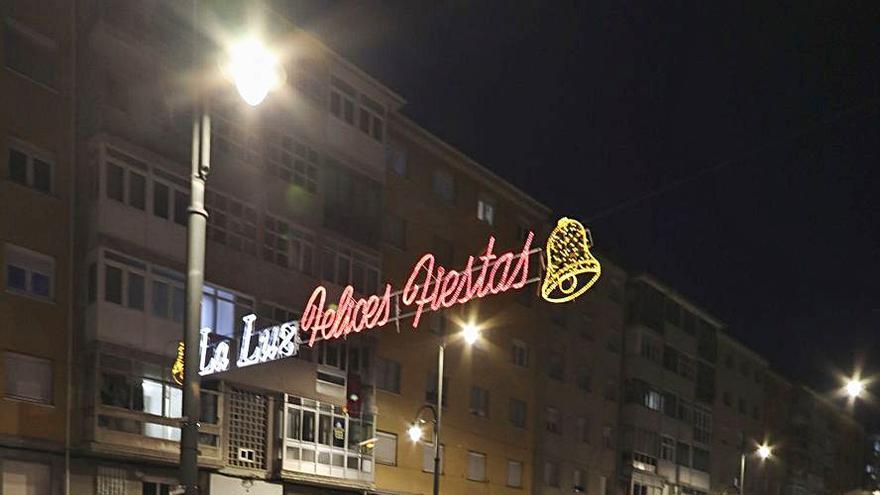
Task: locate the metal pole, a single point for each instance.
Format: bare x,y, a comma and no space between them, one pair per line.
742,473
195,277
437,422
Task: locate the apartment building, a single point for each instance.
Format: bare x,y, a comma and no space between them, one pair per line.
579,390
818,447
36,169
439,201
666,423
738,417
294,198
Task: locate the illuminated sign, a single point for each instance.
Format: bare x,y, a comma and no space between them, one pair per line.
177,367
570,271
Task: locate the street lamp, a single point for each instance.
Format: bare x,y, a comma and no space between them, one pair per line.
470,333
763,452
255,71
854,388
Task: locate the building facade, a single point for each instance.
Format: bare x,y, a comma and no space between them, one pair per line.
36,173
669,371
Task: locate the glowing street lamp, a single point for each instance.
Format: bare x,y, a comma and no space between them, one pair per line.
471,333
255,72
764,451
254,69
415,432
854,388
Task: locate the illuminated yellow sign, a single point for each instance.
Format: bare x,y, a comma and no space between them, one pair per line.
571,269
177,367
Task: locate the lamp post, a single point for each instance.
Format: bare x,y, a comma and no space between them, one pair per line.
254,71
763,452
470,333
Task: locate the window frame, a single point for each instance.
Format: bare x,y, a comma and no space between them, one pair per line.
31,262
472,454
31,153
10,357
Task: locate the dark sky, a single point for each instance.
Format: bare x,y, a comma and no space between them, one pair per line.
730,150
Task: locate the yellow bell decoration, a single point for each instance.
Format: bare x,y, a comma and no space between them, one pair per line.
177,367
571,269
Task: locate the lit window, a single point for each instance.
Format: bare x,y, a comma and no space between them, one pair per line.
476,466
222,310
28,378
30,166
514,474
486,210
29,272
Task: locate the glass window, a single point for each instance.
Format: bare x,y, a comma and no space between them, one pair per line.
181,204
25,478
114,182
520,353
18,162
514,474
135,291
683,454
112,284
584,378
16,277
556,365
42,175
428,457
388,375
29,53
28,378
385,451
551,474
161,299
443,185
479,402
476,466
486,210
667,449
29,271
552,420
517,410
396,156
161,197
431,390
137,190
583,429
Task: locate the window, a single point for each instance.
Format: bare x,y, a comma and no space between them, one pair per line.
479,402
514,474
476,466
651,349
231,222
584,378
552,420
28,378
287,246
30,166
701,459
520,354
682,454
486,210
344,266
556,365
396,159
517,413
443,184
577,480
385,450
156,488
667,449
125,179
223,310
551,473
608,437
396,231
291,160
437,322
25,478
702,425
583,429
167,296
29,53
371,117
388,375
29,272
428,457
653,400
342,100
431,390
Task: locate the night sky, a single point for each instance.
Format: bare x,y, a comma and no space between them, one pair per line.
730,150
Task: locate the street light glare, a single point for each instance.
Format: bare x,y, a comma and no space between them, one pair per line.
854,388
764,451
415,433
254,69
471,333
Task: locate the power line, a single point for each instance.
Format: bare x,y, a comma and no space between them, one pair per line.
846,112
